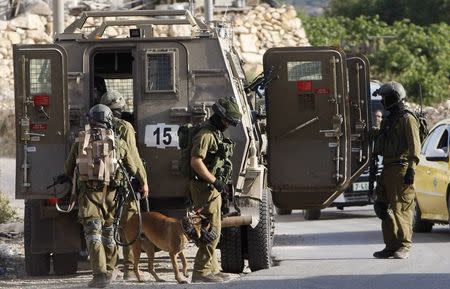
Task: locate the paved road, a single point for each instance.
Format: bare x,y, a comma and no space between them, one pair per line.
334,252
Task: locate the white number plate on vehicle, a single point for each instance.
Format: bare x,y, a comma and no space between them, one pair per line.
161,135
364,186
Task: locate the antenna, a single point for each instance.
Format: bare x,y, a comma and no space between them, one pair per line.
421,98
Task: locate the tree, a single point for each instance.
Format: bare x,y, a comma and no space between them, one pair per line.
418,11
403,51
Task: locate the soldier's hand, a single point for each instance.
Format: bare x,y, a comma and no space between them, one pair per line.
144,190
409,176
219,185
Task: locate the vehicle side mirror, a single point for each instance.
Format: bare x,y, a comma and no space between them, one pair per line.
437,155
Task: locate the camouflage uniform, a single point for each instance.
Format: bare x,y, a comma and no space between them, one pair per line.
125,131
400,148
96,209
204,145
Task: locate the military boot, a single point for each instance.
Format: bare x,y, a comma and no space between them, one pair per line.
402,253
384,254
111,276
206,279
224,276
128,274
98,281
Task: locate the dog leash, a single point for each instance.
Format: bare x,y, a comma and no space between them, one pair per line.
199,210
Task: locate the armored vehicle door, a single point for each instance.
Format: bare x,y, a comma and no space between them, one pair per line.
161,107
360,111
40,83
309,123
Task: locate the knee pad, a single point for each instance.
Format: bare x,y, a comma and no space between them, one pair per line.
92,231
108,236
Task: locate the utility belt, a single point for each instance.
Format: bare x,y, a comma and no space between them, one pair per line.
96,186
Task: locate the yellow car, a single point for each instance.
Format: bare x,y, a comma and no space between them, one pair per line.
432,179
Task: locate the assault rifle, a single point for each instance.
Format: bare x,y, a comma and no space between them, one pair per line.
373,170
260,82
121,196
59,180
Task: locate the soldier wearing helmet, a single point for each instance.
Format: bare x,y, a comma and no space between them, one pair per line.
96,191
398,141
210,154
125,131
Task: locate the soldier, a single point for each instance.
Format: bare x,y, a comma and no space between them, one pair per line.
398,142
378,116
125,131
206,186
97,190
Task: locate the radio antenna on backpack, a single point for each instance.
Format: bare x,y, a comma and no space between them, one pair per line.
421,99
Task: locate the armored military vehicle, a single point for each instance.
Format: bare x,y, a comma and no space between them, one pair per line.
315,116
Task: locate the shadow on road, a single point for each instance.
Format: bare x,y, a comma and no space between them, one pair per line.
297,216
398,281
385,281
442,235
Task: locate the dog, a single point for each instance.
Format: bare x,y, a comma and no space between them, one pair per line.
166,233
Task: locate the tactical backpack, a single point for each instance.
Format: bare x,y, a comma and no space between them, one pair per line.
422,121
96,160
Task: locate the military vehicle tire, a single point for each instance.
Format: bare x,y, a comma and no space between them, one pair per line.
232,258
311,214
65,264
283,211
35,264
260,237
419,225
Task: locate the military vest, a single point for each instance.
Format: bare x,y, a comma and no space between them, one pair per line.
218,162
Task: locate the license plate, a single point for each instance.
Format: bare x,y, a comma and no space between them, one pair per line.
364,186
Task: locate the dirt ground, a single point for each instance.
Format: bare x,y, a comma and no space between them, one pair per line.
13,275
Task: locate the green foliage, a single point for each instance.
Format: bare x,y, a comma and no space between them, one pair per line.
6,211
418,11
403,51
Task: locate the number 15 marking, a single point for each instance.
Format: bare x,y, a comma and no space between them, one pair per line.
161,135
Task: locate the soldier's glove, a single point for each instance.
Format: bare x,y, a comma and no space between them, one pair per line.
207,235
219,185
409,176
381,209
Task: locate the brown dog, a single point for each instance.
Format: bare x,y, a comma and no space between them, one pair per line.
164,232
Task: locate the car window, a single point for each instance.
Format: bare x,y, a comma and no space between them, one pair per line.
432,141
443,142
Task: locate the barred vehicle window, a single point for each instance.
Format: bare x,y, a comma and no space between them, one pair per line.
304,70
40,76
160,71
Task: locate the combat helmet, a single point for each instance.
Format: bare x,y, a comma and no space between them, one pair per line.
114,100
100,115
392,93
227,109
